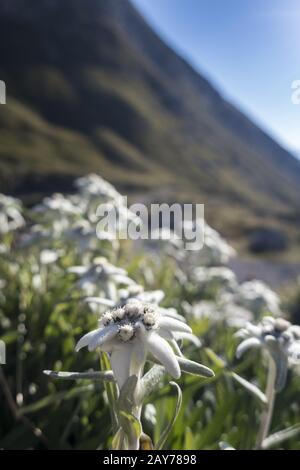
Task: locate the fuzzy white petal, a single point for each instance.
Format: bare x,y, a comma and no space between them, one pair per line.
189,337
164,353
171,312
248,343
120,360
95,338
172,324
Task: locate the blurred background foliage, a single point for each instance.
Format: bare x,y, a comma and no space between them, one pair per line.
41,329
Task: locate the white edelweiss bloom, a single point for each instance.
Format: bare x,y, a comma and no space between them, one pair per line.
57,212
10,214
35,234
48,256
213,249
168,242
57,204
217,249
120,215
216,276
233,315
130,333
277,336
82,234
258,297
93,185
101,278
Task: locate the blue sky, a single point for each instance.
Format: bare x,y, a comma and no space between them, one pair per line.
249,49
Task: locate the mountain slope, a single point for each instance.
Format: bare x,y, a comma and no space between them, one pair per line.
91,87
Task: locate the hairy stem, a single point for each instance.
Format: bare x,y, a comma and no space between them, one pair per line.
267,414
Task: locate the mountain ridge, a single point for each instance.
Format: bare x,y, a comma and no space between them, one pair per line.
96,89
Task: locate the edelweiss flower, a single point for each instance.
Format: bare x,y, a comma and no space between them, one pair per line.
258,297
130,332
10,214
216,277
279,337
58,212
57,204
216,312
83,234
101,278
94,186
119,215
215,250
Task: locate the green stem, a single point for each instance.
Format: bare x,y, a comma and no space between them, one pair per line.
267,414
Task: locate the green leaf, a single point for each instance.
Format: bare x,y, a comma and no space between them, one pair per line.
111,391
169,427
131,426
251,388
119,440
219,363
10,337
56,398
194,368
281,436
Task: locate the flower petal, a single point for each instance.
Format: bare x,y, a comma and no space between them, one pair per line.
120,360
247,344
172,324
164,353
189,337
171,312
95,338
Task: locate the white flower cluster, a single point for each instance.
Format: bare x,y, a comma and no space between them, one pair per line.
66,225
11,217
271,331
130,332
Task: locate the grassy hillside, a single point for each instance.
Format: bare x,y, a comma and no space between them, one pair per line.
95,89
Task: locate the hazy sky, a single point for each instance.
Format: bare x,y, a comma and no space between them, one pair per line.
250,49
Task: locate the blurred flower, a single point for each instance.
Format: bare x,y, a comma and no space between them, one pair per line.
58,211
257,297
82,234
129,333
101,278
233,315
57,204
10,214
150,414
48,256
93,185
36,234
3,249
217,277
278,337
213,249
